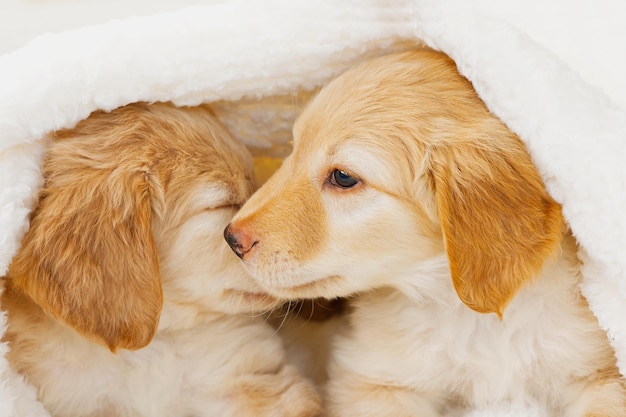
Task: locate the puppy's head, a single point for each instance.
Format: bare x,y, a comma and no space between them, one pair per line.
119,190
396,164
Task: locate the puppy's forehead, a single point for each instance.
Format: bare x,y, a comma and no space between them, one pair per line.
364,115
401,109
390,95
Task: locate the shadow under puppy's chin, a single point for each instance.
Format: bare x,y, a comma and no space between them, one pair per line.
316,309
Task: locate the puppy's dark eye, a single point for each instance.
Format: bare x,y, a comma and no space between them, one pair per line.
342,179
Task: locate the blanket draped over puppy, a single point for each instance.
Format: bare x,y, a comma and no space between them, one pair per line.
258,62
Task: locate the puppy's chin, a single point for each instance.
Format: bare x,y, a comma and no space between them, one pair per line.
287,279
327,287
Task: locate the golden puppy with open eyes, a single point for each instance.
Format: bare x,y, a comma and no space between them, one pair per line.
124,300
404,189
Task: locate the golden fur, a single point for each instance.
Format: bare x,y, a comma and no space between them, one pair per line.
125,251
441,204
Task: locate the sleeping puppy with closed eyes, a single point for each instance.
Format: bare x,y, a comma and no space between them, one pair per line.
402,187
123,299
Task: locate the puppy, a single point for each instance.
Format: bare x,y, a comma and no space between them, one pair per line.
402,187
124,299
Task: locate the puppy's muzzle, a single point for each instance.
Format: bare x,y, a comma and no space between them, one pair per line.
239,241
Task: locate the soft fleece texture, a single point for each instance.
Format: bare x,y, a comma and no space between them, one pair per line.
251,57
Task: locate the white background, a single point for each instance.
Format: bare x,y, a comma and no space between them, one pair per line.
589,35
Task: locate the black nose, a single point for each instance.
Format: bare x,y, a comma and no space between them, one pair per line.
239,241
231,239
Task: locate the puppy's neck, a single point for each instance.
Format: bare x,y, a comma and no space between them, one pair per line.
556,284
184,316
429,283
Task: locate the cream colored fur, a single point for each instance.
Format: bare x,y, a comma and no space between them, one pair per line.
124,299
406,193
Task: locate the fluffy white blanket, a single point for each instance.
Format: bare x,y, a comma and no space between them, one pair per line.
252,57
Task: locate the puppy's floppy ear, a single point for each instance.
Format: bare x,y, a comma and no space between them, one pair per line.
89,258
499,222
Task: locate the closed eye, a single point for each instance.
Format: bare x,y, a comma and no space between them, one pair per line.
236,206
216,195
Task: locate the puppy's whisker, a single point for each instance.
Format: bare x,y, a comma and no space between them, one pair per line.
310,317
285,316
